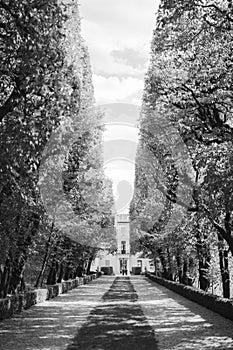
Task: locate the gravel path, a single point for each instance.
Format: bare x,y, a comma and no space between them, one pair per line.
119,313
117,323
179,323
53,324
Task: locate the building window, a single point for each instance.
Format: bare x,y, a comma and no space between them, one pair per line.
139,263
123,247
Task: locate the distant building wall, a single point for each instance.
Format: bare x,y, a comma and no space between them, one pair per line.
122,259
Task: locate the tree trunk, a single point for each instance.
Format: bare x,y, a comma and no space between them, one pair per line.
66,274
79,269
170,266
155,265
17,283
51,279
60,273
185,272
204,279
40,277
5,276
163,263
204,260
179,266
89,264
224,268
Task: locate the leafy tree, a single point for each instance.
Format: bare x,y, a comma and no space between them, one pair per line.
45,85
189,85
29,91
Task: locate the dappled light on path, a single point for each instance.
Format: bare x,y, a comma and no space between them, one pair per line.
52,325
179,323
119,314
119,323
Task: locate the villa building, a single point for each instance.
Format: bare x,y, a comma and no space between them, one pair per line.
122,262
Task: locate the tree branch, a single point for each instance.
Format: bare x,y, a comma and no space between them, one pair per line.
222,232
10,103
223,12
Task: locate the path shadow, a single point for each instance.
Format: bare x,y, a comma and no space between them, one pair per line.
179,323
52,324
117,324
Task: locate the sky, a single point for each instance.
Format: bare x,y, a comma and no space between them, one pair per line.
118,35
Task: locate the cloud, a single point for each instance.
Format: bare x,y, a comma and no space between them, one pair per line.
130,57
105,63
118,34
115,89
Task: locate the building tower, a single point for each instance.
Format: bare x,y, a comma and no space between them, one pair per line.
121,261
123,243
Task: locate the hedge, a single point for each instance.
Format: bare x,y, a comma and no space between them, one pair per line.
16,303
215,303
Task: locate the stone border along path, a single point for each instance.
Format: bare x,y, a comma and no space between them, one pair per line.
117,313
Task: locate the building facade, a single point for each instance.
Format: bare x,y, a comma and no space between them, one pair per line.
122,262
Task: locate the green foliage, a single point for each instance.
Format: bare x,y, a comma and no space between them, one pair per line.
188,87
31,60
45,85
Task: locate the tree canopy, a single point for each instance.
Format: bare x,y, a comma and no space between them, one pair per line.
50,135
188,90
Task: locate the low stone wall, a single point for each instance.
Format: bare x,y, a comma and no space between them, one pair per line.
215,303
16,303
